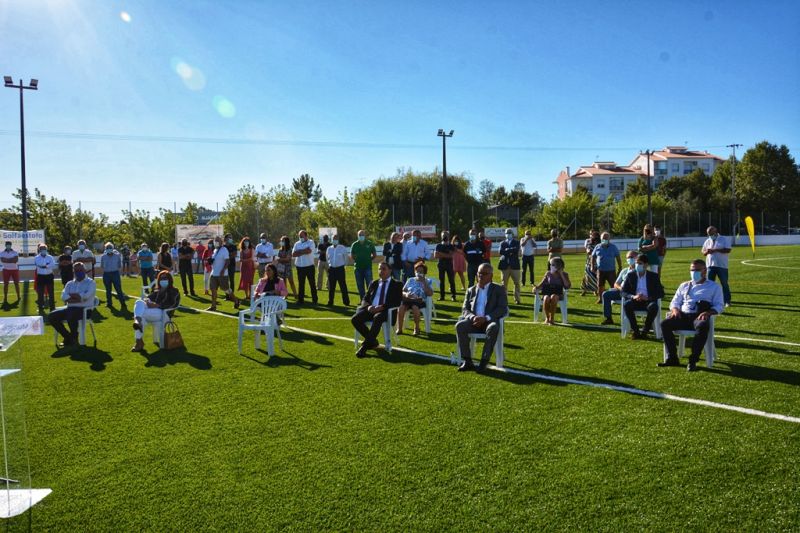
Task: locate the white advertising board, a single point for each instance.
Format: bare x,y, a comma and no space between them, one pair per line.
34,237
428,232
195,234
498,233
330,232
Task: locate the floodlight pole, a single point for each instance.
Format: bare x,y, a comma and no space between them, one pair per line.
649,152
734,217
444,136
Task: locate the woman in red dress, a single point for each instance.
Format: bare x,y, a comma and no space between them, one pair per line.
247,267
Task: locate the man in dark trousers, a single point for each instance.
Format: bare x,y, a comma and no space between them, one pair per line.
474,252
641,291
232,250
485,304
383,294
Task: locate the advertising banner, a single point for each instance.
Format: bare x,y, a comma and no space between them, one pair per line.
34,237
428,232
498,233
196,234
330,232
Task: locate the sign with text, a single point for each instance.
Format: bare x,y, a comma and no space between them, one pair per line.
428,232
498,233
196,234
33,238
206,217
330,232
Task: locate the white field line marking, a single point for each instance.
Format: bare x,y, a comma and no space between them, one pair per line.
752,262
545,377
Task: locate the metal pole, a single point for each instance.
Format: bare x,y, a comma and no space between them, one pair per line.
22,157
734,218
444,183
649,206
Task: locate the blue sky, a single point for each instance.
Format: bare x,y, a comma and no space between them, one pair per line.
350,91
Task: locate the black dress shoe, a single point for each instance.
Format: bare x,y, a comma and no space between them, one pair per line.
607,322
691,367
636,335
466,366
362,351
670,362
482,365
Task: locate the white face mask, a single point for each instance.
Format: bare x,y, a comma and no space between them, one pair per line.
553,269
658,233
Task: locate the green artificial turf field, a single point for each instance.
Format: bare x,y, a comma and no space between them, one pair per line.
315,439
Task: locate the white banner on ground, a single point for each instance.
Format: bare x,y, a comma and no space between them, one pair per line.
330,232
428,232
498,233
195,234
34,237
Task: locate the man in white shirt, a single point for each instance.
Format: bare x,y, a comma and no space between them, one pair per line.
219,275
264,254
44,263
10,261
336,256
303,253
692,306
414,250
78,293
528,250
716,250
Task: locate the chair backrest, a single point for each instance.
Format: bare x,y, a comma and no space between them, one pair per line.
271,305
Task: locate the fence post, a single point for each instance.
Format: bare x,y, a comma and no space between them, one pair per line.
788,221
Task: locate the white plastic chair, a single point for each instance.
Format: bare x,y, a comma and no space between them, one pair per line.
388,331
263,318
709,349
146,289
499,349
158,326
625,326
87,319
537,305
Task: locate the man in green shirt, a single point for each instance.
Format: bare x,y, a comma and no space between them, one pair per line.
362,252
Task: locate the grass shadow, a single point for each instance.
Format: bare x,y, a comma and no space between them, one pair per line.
407,356
723,344
97,359
291,359
756,373
746,332
771,306
162,358
521,379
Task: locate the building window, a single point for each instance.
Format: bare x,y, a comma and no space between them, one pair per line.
616,184
706,167
676,167
601,185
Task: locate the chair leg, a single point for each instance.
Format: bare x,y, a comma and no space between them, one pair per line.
387,336
240,341
270,333
563,304
681,345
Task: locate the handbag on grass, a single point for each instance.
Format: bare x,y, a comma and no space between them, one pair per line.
172,336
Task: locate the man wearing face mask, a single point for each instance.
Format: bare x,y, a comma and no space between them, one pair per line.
44,264
604,256
474,253
444,253
185,255
219,276
232,251
78,293
150,309
362,252
528,245
509,263
199,250
265,252
414,251
111,263
303,254
337,259
84,255
322,261
145,257
65,265
615,294
641,291
10,260
716,250
692,306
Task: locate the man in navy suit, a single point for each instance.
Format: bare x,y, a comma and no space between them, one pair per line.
641,291
486,303
383,294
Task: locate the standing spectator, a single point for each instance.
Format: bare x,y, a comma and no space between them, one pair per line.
164,260
174,253
414,251
473,250
362,252
199,250
207,260
444,253
150,309
232,250
219,275
648,246
528,245
146,259
551,288
487,247
322,261
185,255
459,260
661,243
134,263
284,263
44,264
337,259
10,260
615,294
264,254
247,266
111,263
716,250
84,255
555,245
393,254
641,291
405,242
125,253
509,263
604,256
65,265
589,282
77,294
303,253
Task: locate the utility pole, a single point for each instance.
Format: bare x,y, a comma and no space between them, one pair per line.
734,217
649,152
444,136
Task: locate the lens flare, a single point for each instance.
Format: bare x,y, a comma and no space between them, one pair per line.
224,107
125,16
192,77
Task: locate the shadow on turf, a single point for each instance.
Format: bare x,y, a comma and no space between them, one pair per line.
756,373
284,358
97,359
162,358
723,344
772,306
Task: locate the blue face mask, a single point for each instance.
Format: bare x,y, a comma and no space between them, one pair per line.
697,276
109,251
509,236
639,268
164,283
416,239
362,238
472,237
43,252
335,241
79,275
631,261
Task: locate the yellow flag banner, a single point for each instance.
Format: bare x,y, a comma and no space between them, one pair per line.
751,230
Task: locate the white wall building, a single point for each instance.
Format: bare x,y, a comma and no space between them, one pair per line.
676,161
602,178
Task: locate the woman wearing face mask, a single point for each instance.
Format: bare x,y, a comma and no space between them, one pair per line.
649,247
459,260
283,262
415,291
164,296
247,268
207,260
551,288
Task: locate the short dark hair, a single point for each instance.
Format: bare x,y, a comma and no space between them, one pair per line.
642,258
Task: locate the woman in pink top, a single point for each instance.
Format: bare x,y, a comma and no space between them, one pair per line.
271,284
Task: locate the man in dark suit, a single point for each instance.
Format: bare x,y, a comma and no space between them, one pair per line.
382,294
641,291
486,303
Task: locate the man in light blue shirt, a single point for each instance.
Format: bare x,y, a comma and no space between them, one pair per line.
414,250
604,255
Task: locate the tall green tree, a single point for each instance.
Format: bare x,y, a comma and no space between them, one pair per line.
306,189
767,179
574,214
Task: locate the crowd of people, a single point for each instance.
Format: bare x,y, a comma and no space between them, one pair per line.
403,279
